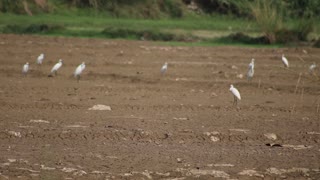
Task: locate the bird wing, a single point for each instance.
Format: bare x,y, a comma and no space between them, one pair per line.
285,61
250,72
83,67
40,58
25,68
236,93
251,66
163,69
78,70
56,67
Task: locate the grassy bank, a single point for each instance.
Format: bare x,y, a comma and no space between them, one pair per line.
204,28
96,22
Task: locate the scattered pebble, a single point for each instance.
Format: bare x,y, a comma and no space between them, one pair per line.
297,147
79,173
213,94
273,170
68,170
46,168
182,118
215,173
223,165
16,134
100,107
76,126
314,133
39,121
251,172
271,136
214,139
12,160
305,118
240,76
234,67
240,130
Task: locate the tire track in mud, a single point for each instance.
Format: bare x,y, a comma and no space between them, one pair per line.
138,135
40,106
48,105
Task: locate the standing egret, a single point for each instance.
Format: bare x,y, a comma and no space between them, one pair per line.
25,69
236,94
285,61
55,68
312,67
40,59
250,70
164,68
79,70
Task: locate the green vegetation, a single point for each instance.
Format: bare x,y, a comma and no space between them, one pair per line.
94,25
268,16
203,21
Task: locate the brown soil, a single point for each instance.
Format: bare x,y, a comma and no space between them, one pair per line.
180,125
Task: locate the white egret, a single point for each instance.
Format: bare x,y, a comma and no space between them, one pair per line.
285,61
25,69
250,70
79,70
40,59
164,68
55,68
312,67
236,94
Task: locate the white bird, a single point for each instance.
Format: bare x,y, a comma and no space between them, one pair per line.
56,67
164,68
79,70
40,59
236,94
285,61
250,70
312,67
25,69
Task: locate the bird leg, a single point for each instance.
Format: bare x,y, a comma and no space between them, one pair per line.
78,78
55,73
235,101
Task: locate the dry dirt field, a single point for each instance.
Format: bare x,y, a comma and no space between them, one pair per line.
178,126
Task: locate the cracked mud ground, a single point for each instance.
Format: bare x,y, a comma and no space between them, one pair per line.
181,125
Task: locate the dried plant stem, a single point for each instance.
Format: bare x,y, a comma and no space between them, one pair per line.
295,92
297,84
302,92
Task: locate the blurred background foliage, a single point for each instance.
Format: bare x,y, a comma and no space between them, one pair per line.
159,8
271,17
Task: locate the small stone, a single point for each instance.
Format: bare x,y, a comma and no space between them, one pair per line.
16,134
12,160
240,76
213,94
271,136
100,107
214,139
234,67
179,160
305,118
